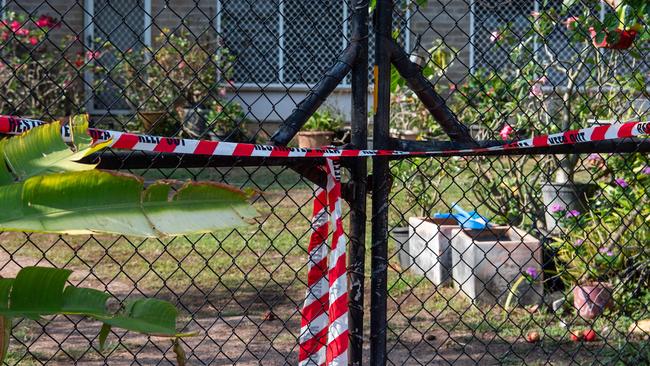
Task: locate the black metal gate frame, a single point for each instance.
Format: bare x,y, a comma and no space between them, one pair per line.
354,60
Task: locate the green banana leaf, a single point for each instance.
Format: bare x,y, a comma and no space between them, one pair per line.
42,151
95,201
42,291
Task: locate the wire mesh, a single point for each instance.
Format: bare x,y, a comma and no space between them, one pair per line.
560,275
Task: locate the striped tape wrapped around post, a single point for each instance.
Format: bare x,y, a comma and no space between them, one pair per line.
324,324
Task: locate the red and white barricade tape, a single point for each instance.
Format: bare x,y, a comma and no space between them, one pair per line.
324,326
130,141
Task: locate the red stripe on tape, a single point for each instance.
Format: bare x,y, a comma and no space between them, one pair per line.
243,150
126,141
626,130
4,124
599,133
279,152
206,147
166,145
312,345
337,347
540,141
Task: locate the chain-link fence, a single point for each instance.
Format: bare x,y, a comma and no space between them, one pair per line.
519,257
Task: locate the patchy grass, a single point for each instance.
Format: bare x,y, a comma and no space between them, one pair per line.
240,274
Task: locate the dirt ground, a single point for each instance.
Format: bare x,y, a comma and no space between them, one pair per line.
251,340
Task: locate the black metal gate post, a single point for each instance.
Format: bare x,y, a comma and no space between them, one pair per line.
381,183
359,171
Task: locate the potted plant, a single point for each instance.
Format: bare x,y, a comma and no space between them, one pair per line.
147,90
320,129
603,258
227,119
410,119
183,74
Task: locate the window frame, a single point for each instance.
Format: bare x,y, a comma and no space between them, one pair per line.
88,44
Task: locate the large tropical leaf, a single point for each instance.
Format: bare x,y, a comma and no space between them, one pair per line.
42,291
108,202
42,150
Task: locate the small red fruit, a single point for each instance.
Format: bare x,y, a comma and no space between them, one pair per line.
589,335
576,337
532,337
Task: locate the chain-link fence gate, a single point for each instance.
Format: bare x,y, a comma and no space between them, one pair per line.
522,256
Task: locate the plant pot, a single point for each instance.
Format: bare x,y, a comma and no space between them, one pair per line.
401,237
624,41
149,119
591,299
409,135
569,196
315,139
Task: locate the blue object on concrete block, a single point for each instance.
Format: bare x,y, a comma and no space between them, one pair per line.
467,220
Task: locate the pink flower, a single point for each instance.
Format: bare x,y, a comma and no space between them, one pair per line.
15,25
92,55
46,21
535,14
536,90
80,60
595,157
532,272
557,208
570,23
646,170
621,182
572,213
496,36
452,86
22,32
5,36
606,252
578,242
505,132
181,64
222,92
33,41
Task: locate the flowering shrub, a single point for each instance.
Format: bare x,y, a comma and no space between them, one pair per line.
610,241
180,72
38,80
538,91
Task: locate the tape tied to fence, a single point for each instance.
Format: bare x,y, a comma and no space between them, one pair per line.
324,317
140,142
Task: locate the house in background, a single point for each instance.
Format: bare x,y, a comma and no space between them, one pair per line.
282,49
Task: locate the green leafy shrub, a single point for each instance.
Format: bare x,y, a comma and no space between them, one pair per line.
610,242
38,80
325,119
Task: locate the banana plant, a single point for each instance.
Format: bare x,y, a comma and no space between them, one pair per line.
43,188
46,190
42,291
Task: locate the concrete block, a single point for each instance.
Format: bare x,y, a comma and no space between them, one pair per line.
487,262
429,247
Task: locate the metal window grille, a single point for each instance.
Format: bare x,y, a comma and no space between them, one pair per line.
126,25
